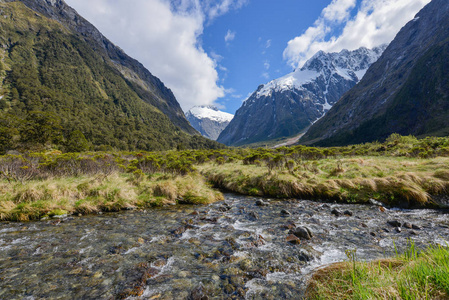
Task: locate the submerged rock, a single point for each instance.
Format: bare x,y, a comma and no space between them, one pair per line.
261,203
198,293
253,216
394,223
336,212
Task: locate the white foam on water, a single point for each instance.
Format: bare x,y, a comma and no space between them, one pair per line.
255,286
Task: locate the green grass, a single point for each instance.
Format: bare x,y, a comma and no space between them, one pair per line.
412,275
396,173
391,180
36,199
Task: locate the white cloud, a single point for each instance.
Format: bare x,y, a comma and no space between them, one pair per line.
164,35
216,8
376,22
266,65
268,44
230,36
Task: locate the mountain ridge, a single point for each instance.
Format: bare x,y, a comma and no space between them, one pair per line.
403,92
288,105
57,84
149,87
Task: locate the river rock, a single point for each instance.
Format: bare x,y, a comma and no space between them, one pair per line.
394,223
416,227
305,256
261,203
290,225
285,212
253,216
407,225
293,239
348,213
302,232
398,229
336,212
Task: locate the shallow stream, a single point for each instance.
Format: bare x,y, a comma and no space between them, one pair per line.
233,249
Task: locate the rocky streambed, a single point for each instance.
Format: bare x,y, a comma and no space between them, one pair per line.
240,248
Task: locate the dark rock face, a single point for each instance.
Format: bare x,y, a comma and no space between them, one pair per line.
406,91
288,105
148,87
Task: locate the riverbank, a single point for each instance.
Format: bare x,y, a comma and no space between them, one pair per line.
55,197
413,275
402,171
392,181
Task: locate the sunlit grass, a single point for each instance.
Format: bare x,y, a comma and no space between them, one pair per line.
412,275
35,199
390,180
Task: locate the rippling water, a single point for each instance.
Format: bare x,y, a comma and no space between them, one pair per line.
232,249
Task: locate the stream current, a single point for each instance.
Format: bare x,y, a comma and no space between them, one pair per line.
234,249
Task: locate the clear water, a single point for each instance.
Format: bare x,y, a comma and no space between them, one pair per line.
234,252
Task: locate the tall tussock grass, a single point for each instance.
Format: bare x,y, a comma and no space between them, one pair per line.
411,275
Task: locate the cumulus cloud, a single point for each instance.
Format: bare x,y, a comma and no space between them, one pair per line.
164,35
375,23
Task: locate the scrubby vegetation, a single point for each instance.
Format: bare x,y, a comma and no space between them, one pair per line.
413,275
401,171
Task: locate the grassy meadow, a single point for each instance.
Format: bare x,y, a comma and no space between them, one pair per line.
402,171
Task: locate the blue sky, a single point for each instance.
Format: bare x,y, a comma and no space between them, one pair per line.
262,30
220,51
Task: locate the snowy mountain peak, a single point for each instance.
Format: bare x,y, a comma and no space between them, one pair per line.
209,112
350,65
286,106
208,120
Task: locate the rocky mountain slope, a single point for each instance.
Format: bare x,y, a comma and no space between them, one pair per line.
60,75
288,105
406,91
208,120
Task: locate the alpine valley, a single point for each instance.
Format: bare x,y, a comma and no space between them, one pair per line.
64,85
289,105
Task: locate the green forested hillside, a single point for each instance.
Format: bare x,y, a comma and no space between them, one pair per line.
58,91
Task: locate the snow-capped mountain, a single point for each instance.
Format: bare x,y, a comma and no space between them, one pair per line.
406,91
208,120
286,106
